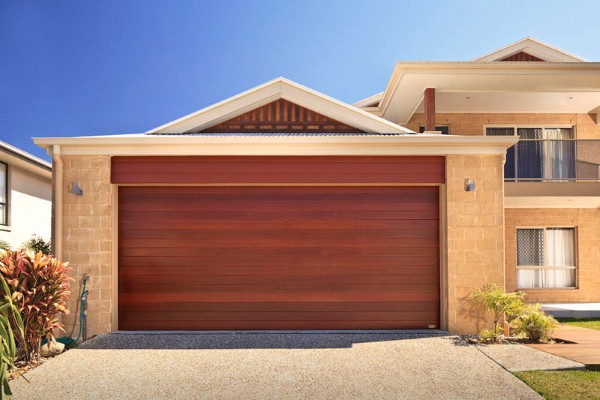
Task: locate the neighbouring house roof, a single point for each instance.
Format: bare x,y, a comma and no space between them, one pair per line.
14,156
269,92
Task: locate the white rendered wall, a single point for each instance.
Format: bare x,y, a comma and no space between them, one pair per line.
29,207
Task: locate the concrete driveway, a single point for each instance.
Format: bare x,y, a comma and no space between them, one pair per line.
272,366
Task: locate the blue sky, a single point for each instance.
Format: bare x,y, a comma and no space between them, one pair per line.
118,66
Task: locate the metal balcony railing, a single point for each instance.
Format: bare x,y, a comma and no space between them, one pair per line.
552,160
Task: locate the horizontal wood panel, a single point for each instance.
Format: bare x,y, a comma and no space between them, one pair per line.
198,324
406,243
281,307
278,257
423,256
211,224
274,194
282,297
296,234
276,169
279,206
129,280
331,287
279,215
283,316
181,266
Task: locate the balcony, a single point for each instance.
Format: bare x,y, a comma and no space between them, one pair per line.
548,160
553,173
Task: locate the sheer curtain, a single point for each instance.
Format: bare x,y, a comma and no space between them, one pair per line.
560,252
560,154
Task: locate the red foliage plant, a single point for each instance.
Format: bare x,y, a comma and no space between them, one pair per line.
41,287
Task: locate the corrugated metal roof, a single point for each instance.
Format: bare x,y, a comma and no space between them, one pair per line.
280,134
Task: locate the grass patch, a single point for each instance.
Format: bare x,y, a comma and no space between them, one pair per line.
590,323
567,385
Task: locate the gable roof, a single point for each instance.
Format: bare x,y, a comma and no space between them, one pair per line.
15,156
279,88
532,47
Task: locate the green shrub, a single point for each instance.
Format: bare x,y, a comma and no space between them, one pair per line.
37,243
40,287
488,335
535,324
504,306
4,245
8,347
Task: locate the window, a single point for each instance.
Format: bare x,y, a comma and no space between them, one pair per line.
3,194
546,258
445,129
542,153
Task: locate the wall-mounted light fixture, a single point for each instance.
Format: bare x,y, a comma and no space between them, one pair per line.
76,189
469,185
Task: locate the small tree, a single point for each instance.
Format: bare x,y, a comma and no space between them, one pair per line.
504,306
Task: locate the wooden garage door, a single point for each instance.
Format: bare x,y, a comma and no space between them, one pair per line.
278,258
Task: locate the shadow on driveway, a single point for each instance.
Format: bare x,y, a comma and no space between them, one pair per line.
249,340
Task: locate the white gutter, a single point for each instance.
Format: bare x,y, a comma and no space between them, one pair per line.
419,144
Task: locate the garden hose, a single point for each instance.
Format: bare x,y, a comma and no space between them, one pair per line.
68,341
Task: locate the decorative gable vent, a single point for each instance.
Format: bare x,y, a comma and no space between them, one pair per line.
521,56
281,116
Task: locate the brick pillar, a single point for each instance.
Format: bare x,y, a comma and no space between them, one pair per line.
475,232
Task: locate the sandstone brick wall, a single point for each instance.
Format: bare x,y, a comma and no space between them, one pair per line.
475,231
474,223
587,224
87,237
473,123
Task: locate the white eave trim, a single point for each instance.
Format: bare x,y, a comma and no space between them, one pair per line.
440,68
369,101
279,88
534,47
287,146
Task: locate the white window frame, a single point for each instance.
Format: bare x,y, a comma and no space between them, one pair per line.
549,267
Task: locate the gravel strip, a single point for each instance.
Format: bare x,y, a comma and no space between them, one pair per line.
273,366
518,358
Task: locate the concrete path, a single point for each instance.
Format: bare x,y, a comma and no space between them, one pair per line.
272,366
518,358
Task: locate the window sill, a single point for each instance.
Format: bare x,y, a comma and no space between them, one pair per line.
5,228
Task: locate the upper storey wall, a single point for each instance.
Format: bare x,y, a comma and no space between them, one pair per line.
473,123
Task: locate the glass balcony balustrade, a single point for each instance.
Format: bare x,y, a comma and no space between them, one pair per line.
553,160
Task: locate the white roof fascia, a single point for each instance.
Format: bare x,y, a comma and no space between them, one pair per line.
534,47
369,101
478,69
287,146
280,88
